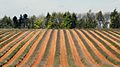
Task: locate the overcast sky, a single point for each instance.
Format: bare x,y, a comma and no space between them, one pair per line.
38,7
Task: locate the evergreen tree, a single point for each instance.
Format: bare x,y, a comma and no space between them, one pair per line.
100,19
15,20
47,18
74,20
32,19
115,22
20,23
67,21
100,16
90,20
6,22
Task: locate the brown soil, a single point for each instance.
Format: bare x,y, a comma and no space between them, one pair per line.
115,34
4,33
114,48
7,35
6,39
63,54
117,38
109,38
50,60
26,58
84,50
103,59
11,41
12,49
74,51
20,51
107,51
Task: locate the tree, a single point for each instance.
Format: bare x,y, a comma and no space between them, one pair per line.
90,20
67,22
15,20
47,18
25,21
20,23
32,19
100,19
115,22
100,16
74,20
6,22
38,23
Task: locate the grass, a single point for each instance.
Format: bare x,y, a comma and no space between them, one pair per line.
11,45
89,49
4,34
36,51
116,32
103,52
3,44
20,58
110,36
57,53
113,34
8,36
15,51
69,53
80,52
108,47
96,46
46,54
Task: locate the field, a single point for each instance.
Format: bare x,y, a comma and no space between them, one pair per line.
60,48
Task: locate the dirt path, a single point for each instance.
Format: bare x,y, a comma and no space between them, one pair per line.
21,50
42,50
50,60
4,33
115,33
74,51
12,49
26,58
11,33
84,49
109,44
113,37
63,53
103,47
9,38
109,38
11,41
103,59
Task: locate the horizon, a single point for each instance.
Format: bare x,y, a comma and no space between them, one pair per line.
41,7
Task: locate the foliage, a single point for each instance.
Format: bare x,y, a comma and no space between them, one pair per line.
115,22
38,23
6,22
64,20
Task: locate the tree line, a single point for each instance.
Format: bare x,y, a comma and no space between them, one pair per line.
65,20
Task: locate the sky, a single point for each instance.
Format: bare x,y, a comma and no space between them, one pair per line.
41,7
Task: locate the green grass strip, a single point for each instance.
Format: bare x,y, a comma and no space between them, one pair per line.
103,52
46,54
20,58
11,45
3,44
16,50
57,53
80,52
89,49
8,36
36,51
108,47
69,53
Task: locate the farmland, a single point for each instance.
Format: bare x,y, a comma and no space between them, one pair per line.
60,48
